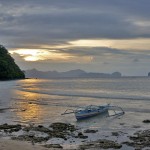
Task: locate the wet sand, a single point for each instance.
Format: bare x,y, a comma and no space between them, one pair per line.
18,145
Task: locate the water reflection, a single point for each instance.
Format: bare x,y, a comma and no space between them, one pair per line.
29,112
28,109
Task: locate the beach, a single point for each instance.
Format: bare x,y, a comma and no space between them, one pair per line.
31,114
12,145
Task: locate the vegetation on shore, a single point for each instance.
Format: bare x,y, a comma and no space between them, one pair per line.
9,70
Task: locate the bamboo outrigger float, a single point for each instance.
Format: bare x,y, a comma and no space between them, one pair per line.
93,110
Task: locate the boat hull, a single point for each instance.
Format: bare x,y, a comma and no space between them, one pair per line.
84,115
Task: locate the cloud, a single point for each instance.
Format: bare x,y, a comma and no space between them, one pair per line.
58,25
48,21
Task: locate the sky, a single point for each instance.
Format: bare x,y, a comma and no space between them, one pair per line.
92,35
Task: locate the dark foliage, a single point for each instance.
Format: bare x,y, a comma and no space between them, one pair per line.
8,69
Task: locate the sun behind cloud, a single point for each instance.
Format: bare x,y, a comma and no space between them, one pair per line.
39,54
27,54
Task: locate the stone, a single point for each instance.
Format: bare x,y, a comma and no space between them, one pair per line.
146,121
90,131
53,146
38,128
115,134
31,138
101,144
59,126
81,136
10,128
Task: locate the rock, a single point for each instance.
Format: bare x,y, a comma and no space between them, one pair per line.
59,126
101,144
90,131
10,128
62,130
115,134
140,140
146,121
31,134
38,128
122,123
136,126
31,138
59,135
53,146
59,130
81,136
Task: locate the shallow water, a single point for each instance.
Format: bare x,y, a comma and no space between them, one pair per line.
42,101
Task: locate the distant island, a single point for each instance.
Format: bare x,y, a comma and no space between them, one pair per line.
8,68
34,73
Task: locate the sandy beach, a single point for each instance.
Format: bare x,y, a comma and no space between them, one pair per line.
18,145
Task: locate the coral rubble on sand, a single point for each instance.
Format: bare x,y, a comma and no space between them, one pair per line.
141,139
99,144
66,132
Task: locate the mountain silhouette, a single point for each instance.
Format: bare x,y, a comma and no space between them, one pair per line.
34,73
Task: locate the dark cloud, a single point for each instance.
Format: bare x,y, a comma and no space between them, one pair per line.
51,20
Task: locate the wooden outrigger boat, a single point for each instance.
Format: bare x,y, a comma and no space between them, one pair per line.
93,110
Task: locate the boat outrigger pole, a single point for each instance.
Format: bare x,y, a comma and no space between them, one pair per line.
66,112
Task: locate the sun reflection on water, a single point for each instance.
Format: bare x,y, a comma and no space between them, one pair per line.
29,112
28,108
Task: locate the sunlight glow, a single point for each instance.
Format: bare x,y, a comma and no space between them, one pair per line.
122,44
29,109
31,58
91,43
40,54
125,44
52,55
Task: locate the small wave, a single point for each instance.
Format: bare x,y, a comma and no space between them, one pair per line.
138,110
122,97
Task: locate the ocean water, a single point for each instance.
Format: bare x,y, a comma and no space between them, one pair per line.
43,101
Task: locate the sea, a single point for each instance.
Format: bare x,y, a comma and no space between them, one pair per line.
42,101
